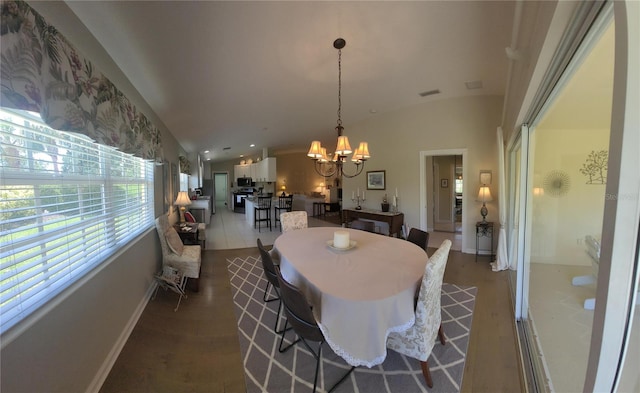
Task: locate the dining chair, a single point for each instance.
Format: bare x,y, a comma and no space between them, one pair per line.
418,341
368,226
262,212
272,280
300,316
294,220
419,237
285,203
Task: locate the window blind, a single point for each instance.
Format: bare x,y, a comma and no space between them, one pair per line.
66,205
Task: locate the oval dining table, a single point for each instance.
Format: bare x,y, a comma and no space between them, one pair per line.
358,295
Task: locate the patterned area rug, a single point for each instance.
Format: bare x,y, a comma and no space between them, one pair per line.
267,370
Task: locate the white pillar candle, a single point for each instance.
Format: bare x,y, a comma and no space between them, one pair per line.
341,239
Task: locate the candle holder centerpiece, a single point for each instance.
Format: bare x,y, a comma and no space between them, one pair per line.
358,199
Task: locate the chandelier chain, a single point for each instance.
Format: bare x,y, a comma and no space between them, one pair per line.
339,87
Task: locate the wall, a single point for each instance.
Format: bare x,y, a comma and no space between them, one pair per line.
296,171
70,344
397,138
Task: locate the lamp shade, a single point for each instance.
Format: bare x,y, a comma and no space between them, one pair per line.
183,199
343,147
362,152
484,195
315,151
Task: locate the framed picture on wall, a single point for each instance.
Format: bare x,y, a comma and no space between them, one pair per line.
444,183
376,180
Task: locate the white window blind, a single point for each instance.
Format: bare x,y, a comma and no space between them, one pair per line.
66,205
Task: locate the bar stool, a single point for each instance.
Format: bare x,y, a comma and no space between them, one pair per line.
285,203
262,212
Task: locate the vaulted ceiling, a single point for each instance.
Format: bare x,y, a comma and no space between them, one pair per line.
231,74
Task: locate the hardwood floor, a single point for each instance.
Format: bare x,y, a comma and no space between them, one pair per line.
196,349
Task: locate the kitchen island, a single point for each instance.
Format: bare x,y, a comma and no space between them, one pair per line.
201,209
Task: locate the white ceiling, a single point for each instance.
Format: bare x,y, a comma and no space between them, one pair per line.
228,74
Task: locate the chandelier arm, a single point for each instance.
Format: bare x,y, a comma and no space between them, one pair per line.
359,168
317,167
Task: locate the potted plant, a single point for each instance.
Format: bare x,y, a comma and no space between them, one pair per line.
385,203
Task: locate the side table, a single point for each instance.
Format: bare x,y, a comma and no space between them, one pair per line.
188,233
484,229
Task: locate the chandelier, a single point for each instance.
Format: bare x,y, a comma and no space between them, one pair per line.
335,166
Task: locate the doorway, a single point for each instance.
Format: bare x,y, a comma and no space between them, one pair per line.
558,178
221,189
442,195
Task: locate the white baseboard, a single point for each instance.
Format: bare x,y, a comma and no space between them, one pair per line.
108,363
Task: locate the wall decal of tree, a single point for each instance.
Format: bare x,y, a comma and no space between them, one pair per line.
595,167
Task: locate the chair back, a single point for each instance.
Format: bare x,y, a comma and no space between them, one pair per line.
285,202
294,220
368,226
162,224
263,202
298,311
428,316
268,265
419,237
417,341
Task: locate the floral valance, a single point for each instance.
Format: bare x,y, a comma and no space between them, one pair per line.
42,72
185,165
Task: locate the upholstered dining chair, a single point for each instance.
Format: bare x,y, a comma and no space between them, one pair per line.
285,204
272,280
419,237
304,324
418,341
368,226
294,220
186,259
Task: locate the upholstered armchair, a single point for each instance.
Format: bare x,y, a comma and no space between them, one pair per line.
186,259
418,341
293,220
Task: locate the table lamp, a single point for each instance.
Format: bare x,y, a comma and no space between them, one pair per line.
182,200
484,195
283,188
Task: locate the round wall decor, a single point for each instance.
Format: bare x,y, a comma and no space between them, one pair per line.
557,183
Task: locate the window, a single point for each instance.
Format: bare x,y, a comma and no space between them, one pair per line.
184,182
458,186
66,205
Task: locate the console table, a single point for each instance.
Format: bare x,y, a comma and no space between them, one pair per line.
394,220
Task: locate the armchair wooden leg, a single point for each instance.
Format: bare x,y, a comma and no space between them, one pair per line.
426,373
441,335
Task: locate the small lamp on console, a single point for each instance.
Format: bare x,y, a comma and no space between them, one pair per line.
283,188
484,195
182,200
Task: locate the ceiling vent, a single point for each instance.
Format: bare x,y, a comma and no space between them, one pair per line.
226,148
429,93
472,85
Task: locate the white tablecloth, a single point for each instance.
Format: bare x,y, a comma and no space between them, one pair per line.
359,296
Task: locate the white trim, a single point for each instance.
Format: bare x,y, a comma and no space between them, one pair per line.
423,186
107,365
618,257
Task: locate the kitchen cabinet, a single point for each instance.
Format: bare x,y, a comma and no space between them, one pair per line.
261,171
242,171
265,170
